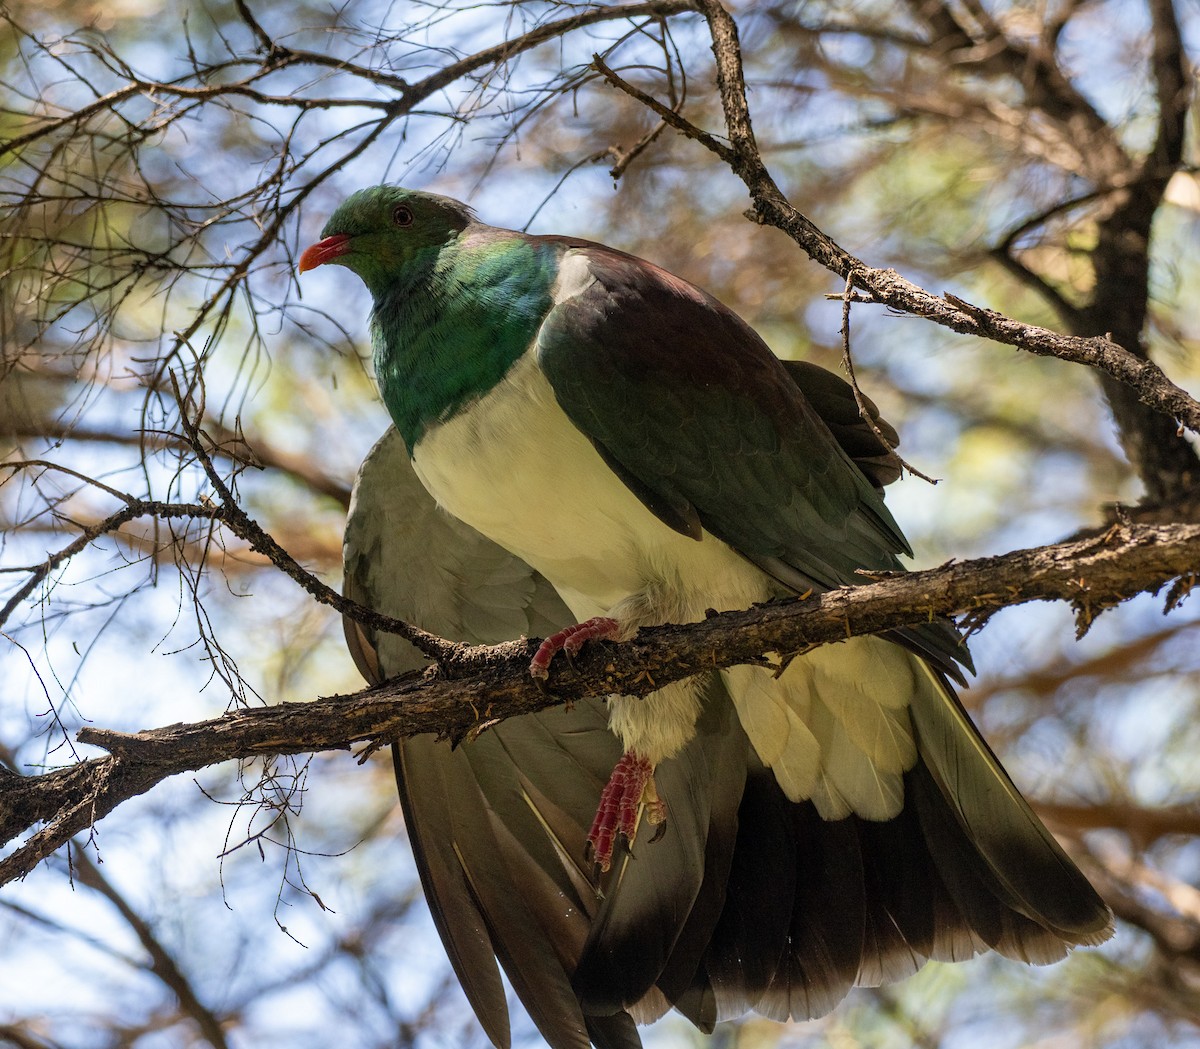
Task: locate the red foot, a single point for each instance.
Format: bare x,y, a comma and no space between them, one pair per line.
571,641
630,785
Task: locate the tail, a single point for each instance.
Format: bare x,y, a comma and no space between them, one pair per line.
814,906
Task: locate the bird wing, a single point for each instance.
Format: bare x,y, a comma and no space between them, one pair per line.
497,826
689,406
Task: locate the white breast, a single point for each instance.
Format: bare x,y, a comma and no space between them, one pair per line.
834,726
515,467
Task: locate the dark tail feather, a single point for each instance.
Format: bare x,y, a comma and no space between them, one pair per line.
613,1032
814,907
1021,864
501,862
425,776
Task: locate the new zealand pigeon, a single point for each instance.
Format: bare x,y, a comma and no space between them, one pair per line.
834,823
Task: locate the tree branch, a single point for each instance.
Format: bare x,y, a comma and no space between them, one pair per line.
232,516
1045,87
479,686
1144,824
1146,380
233,445
133,509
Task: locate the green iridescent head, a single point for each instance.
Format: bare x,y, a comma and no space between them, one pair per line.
379,232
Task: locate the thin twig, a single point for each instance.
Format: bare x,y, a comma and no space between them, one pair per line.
669,116
864,411
260,540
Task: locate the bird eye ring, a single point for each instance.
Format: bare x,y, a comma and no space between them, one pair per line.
402,215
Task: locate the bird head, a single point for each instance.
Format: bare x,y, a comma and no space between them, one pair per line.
379,232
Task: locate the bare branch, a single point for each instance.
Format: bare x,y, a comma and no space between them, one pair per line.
1143,823
227,444
245,527
669,116
1046,89
887,287
249,529
477,686
132,509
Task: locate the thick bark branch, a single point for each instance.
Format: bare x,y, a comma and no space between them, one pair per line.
478,686
1120,300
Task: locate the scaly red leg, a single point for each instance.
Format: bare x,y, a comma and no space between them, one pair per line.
571,641
630,785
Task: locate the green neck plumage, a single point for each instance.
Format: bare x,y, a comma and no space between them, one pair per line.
449,328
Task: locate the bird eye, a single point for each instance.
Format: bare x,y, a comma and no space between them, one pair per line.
402,215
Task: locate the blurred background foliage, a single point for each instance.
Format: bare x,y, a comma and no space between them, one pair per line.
161,165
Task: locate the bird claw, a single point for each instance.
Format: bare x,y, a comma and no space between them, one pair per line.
570,641
630,786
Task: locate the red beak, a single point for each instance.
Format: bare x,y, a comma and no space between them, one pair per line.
324,251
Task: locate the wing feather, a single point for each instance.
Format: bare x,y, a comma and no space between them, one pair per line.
721,425
498,826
